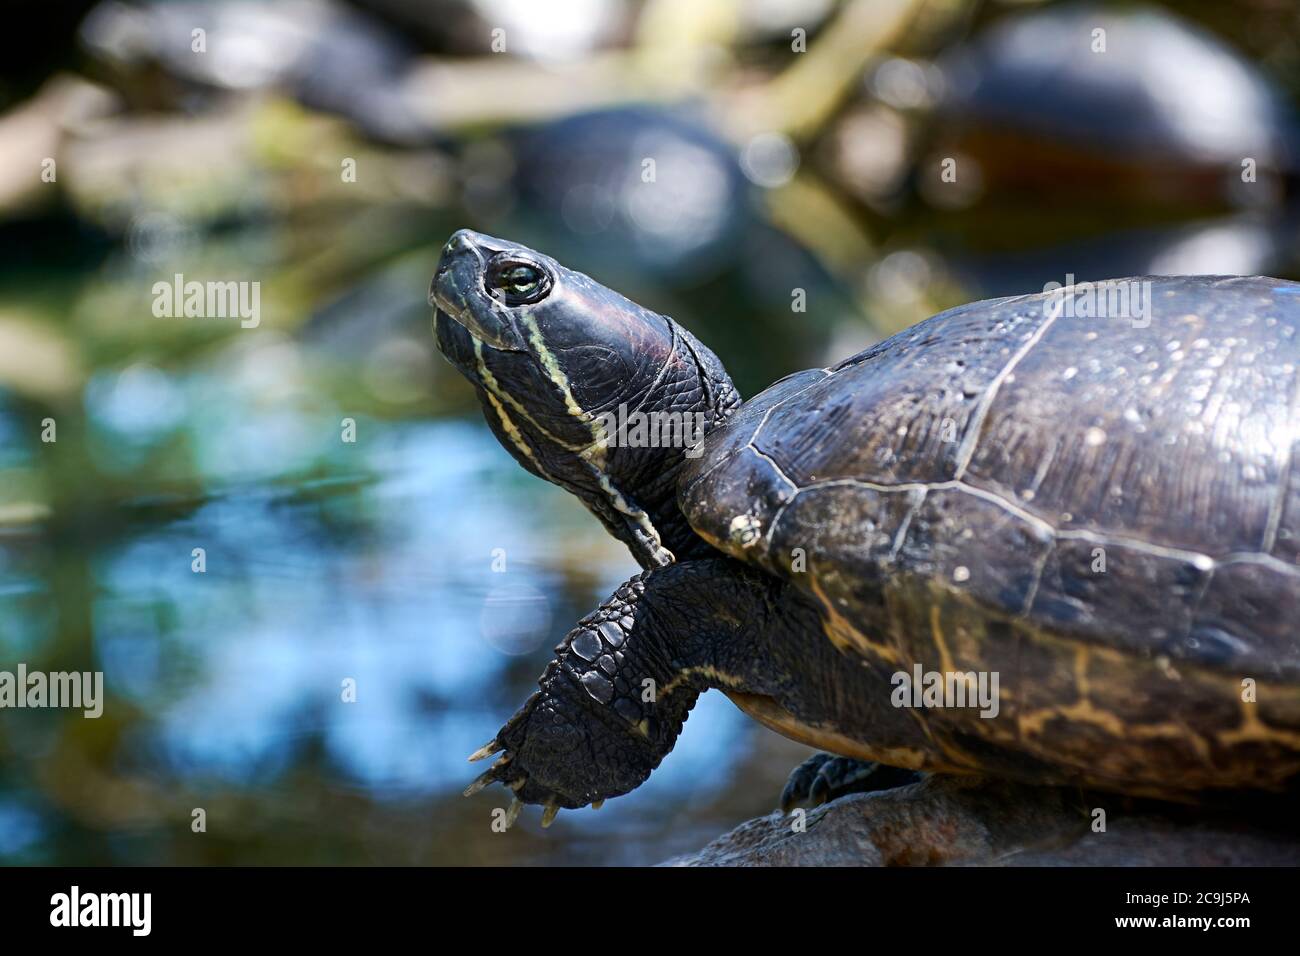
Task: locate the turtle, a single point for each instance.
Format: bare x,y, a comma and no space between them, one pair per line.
1051,538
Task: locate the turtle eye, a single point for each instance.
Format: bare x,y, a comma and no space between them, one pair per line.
517,283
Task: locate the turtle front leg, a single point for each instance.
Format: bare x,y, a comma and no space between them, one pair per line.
610,706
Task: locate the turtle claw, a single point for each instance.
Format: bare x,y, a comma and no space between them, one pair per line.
514,778
481,781
492,774
541,736
799,786
549,814
487,750
823,777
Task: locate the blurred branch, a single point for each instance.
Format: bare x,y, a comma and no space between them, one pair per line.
36,360
678,43
800,100
810,212
32,133
494,90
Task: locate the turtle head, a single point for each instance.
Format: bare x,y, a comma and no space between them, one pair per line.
584,387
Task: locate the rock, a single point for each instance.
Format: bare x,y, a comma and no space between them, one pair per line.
947,820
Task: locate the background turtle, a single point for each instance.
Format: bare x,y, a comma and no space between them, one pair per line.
1103,512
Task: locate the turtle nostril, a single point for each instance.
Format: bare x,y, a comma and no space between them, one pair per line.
460,239
460,242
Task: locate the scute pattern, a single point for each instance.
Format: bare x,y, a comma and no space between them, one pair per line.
1134,485
1143,598
1111,425
897,412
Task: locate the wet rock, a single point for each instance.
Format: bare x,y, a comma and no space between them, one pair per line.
950,821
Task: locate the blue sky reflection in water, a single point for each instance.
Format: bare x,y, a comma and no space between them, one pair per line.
376,567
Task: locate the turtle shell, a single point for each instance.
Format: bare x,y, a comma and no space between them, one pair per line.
1126,485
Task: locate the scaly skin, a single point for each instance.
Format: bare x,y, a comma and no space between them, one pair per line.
611,704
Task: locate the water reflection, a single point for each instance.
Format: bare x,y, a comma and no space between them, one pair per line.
379,570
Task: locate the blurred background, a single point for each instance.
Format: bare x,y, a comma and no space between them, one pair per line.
873,161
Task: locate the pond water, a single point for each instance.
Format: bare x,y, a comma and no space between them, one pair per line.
228,540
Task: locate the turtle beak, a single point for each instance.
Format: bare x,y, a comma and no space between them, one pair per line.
457,292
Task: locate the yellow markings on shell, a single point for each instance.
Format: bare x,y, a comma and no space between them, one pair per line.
772,715
843,634
1130,739
936,631
1174,731
946,665
1254,730
1082,710
846,637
